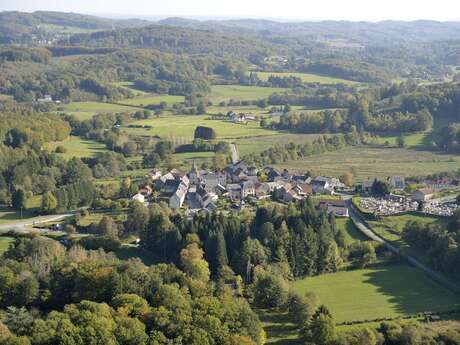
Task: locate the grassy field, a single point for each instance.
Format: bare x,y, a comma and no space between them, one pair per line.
5,243
182,127
352,233
417,140
279,327
225,93
86,110
8,215
390,228
368,162
148,99
78,147
306,77
369,294
260,143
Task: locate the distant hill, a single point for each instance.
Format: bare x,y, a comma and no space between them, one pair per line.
177,40
364,32
22,27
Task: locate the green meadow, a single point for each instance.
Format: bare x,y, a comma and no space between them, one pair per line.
86,110
78,147
391,227
225,93
369,294
183,126
306,77
148,99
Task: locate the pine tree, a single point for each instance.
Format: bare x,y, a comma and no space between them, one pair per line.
221,250
49,203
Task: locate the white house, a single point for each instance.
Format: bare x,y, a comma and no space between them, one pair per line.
178,198
138,197
45,99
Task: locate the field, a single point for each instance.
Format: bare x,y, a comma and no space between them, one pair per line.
78,147
390,228
225,93
148,99
182,127
369,294
352,233
306,77
86,110
368,162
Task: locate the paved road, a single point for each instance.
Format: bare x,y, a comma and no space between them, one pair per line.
22,225
357,220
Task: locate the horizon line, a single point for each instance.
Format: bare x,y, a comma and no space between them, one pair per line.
206,17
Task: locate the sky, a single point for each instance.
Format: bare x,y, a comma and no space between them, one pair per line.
369,10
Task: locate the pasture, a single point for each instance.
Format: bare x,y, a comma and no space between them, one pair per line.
149,99
77,147
352,233
182,127
224,93
390,228
306,77
370,162
86,110
373,293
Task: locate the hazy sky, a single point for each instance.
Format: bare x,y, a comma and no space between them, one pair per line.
288,9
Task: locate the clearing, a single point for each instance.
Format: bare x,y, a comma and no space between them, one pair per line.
78,147
224,93
180,128
86,110
369,294
306,77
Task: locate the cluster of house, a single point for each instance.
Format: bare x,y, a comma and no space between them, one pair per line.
240,117
47,99
199,190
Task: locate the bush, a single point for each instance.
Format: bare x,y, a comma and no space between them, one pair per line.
205,133
60,149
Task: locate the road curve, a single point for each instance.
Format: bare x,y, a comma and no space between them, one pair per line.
22,225
367,231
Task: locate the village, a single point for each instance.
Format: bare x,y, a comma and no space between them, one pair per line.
201,190
238,185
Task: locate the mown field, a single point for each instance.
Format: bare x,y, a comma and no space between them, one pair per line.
86,110
352,233
182,127
369,162
306,77
77,147
149,99
373,293
225,93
